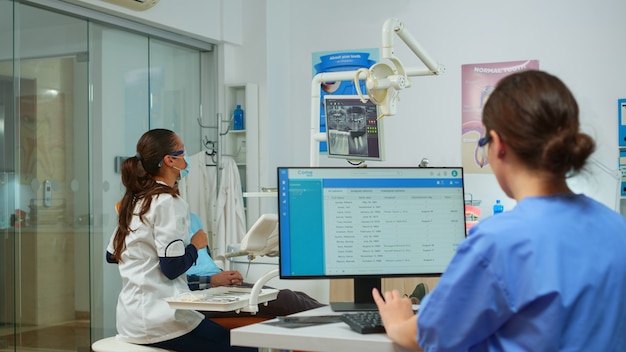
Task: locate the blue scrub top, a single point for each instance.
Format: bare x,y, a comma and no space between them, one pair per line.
204,265
549,275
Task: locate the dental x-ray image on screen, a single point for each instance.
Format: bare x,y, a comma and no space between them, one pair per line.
352,129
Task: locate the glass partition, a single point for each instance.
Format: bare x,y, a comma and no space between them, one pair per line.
174,87
46,192
7,177
75,95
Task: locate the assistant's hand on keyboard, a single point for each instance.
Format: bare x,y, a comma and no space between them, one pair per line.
368,322
398,317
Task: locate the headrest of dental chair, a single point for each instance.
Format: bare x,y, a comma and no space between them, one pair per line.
262,238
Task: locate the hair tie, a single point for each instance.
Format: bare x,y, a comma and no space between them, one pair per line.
138,156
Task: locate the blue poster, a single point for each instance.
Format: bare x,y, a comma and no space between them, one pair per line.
621,121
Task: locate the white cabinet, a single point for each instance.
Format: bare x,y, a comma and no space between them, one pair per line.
243,145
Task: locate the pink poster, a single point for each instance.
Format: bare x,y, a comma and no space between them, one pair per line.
479,80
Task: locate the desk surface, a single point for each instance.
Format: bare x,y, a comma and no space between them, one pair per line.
334,337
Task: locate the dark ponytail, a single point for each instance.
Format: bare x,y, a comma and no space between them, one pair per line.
138,177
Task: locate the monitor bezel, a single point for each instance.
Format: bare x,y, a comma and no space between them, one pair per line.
364,276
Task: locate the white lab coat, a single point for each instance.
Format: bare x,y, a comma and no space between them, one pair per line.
230,216
143,315
199,188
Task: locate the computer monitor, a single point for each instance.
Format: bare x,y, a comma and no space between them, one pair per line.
368,223
353,130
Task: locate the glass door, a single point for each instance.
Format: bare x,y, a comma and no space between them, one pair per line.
44,302
145,83
75,95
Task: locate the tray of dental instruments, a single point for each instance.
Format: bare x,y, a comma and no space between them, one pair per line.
223,299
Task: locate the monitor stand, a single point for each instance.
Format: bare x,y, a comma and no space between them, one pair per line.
363,299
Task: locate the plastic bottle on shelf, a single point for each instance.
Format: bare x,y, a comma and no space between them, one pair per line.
238,119
498,207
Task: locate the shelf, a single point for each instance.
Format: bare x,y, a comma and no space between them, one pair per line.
259,194
243,145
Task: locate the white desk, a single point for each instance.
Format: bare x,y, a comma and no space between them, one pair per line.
334,337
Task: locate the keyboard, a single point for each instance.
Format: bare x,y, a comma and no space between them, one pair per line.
364,322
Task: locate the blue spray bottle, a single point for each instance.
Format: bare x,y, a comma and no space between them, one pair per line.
498,207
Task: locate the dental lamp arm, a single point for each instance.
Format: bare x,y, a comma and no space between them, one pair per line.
253,305
394,25
394,82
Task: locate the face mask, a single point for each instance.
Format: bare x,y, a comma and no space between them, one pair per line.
184,172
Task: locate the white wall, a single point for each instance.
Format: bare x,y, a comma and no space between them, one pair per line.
576,40
270,43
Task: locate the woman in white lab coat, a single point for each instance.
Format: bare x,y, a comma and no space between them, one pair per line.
149,245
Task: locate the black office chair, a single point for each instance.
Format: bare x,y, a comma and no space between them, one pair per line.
418,293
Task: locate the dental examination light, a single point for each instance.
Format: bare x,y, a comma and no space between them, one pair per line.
383,82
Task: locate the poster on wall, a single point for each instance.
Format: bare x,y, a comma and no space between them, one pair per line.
337,61
621,118
478,81
621,124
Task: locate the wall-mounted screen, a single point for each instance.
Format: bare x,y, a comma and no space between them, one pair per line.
353,130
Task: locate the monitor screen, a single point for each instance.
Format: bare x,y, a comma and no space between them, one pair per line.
368,223
353,130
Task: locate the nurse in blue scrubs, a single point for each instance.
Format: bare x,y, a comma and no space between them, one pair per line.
548,275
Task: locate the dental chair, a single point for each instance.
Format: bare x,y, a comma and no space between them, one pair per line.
261,240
